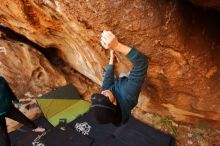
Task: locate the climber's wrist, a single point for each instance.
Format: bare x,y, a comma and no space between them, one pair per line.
122,48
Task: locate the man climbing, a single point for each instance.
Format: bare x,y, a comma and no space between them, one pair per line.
119,96
7,109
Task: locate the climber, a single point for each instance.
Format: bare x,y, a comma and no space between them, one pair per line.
118,96
7,109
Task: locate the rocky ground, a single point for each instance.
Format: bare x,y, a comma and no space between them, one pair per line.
185,134
29,108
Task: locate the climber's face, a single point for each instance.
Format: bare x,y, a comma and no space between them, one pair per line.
111,97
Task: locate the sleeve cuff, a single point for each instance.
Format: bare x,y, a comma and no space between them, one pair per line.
110,66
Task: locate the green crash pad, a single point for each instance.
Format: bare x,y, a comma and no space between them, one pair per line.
62,104
56,109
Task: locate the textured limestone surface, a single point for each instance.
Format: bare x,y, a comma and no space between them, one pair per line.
181,40
27,71
31,74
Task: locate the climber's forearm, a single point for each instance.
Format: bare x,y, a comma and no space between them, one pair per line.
122,49
111,61
112,56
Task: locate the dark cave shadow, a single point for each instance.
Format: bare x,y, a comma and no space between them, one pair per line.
50,53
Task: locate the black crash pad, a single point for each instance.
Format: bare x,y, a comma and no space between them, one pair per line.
63,135
133,133
98,132
25,136
86,131
137,133
53,136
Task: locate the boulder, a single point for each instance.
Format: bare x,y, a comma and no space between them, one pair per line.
182,42
27,71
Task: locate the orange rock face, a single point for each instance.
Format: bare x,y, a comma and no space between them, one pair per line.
182,42
28,72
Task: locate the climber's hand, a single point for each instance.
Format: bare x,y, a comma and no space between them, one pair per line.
112,56
108,40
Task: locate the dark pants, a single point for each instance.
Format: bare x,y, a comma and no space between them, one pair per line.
16,115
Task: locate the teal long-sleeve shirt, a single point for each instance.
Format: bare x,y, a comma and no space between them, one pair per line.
6,96
127,89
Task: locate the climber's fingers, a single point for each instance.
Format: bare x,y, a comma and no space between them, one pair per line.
109,40
104,44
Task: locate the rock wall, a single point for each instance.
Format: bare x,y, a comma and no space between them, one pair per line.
214,4
182,42
28,72
32,70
